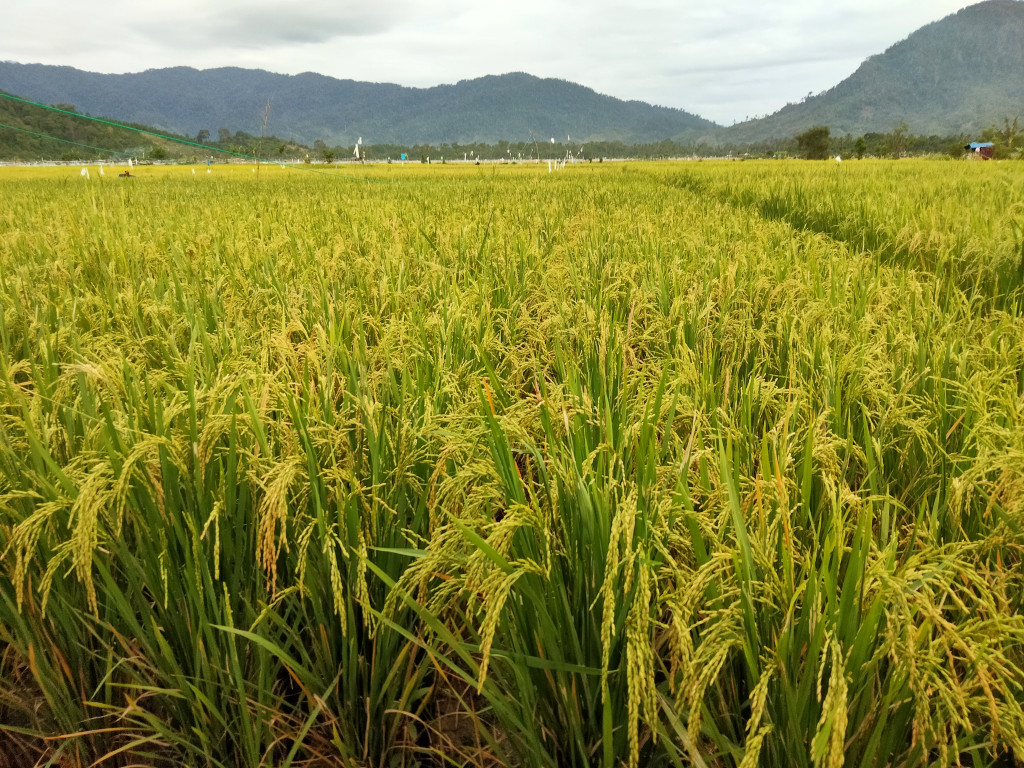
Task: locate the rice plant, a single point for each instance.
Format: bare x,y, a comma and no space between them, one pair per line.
650,464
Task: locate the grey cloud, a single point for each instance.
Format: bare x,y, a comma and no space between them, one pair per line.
268,26
755,67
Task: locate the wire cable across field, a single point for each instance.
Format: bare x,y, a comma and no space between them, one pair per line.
64,141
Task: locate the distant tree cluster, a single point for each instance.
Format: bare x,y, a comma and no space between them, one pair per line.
818,143
814,142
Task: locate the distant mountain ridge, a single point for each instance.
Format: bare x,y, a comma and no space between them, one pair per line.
956,75
307,107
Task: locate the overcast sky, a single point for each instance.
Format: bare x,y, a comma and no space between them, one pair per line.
724,59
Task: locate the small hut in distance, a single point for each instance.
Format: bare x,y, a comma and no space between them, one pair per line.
984,150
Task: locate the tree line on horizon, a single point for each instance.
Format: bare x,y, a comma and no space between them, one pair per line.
35,134
817,142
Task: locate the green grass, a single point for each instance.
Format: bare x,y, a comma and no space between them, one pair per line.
703,464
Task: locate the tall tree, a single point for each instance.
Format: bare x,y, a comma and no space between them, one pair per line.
814,142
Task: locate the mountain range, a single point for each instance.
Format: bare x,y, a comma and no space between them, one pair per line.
953,76
309,106
957,75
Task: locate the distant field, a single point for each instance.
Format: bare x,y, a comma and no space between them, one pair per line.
712,464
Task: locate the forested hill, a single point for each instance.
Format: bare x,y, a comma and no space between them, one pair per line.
307,107
957,75
28,132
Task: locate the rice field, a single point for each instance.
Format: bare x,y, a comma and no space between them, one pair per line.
683,464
